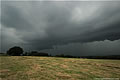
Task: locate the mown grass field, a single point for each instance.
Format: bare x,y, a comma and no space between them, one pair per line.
52,68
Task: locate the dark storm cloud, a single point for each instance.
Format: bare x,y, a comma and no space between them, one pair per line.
42,25
13,18
105,47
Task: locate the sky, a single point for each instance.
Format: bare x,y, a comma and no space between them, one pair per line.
61,27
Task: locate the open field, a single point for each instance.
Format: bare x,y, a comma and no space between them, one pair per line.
52,68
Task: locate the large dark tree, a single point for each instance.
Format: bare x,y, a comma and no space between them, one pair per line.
15,51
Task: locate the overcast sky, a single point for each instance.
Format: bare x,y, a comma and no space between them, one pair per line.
62,27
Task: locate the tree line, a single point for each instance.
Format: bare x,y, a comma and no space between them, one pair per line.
18,51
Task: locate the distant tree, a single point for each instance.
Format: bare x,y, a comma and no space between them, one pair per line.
15,51
35,53
61,55
25,54
66,56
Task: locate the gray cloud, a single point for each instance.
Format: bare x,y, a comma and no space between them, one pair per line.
105,47
41,25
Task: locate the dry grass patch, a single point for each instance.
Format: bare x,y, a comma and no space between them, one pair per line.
52,68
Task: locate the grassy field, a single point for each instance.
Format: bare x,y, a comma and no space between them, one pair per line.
52,68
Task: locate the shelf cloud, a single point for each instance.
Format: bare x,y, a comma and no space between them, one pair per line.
41,25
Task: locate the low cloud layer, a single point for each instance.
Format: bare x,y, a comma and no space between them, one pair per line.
95,48
39,25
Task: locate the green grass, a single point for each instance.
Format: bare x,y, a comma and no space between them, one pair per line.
52,68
